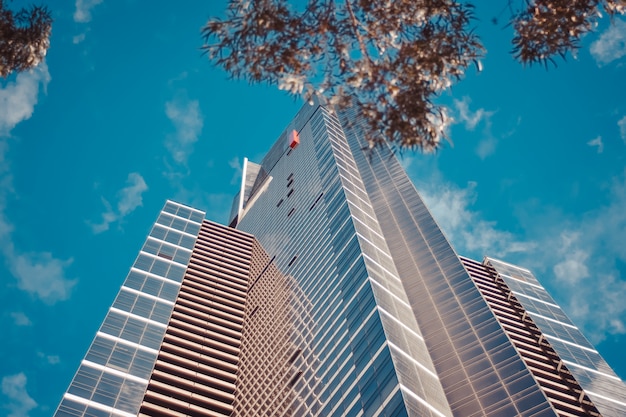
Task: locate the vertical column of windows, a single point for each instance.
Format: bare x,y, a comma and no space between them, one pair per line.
402,330
114,374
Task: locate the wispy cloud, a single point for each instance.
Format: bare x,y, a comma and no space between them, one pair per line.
452,208
38,273
42,275
580,262
216,205
129,198
471,119
20,403
53,359
597,142
592,288
465,115
18,98
572,267
50,359
20,319
82,14
622,128
187,119
235,164
611,45
585,265
79,38
486,147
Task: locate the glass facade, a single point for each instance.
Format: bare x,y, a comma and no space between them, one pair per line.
367,272
113,377
382,284
335,355
591,371
338,295
477,364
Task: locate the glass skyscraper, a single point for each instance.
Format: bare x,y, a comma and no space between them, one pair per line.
332,293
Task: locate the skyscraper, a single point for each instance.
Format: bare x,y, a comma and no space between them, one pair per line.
336,295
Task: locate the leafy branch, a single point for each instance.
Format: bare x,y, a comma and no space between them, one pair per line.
389,59
24,38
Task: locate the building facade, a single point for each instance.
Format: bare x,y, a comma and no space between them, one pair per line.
573,375
114,375
333,293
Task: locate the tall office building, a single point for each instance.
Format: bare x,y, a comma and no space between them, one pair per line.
332,293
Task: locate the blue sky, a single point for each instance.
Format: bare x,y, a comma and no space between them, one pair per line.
125,112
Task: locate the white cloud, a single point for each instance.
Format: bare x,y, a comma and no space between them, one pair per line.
187,118
6,228
597,142
51,359
583,261
42,275
486,147
611,45
406,161
79,38
587,281
82,14
572,268
215,205
622,128
129,198
237,166
471,119
20,319
20,403
108,217
18,98
574,256
39,274
451,208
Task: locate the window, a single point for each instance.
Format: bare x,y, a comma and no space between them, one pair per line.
316,201
295,355
295,378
